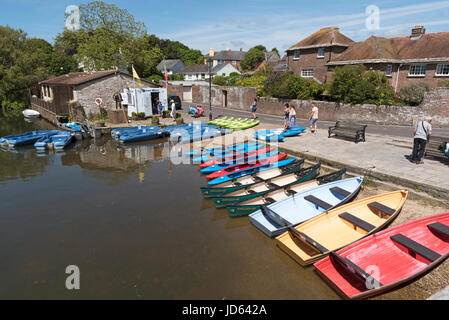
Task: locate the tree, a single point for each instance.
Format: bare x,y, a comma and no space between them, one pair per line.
253,58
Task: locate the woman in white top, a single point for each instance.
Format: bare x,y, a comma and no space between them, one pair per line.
292,117
173,110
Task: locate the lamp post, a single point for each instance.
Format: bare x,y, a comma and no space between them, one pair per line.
209,64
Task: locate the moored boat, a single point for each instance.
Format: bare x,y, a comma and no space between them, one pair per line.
31,114
245,166
247,207
57,142
387,259
276,218
332,230
250,171
248,180
236,157
262,188
27,138
142,135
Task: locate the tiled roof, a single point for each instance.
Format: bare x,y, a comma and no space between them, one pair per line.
77,78
203,68
169,64
228,55
429,46
324,37
218,67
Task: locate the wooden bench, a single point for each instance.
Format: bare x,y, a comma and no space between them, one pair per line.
349,130
433,147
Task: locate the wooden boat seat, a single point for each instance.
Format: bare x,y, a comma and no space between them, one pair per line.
272,216
237,184
318,202
438,227
362,224
257,178
272,185
355,269
340,191
304,238
251,191
290,192
415,247
269,200
382,208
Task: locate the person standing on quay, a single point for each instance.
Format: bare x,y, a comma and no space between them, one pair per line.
292,117
313,119
423,131
286,116
253,108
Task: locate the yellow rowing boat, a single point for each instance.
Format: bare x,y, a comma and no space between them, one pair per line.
337,228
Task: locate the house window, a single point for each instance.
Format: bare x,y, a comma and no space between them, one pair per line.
389,70
203,76
223,74
321,53
442,70
418,70
296,55
307,73
234,61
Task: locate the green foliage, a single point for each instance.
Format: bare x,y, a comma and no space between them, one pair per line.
253,58
353,84
175,77
220,81
291,86
155,77
413,93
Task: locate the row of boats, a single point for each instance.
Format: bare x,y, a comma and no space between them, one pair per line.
42,140
315,219
182,133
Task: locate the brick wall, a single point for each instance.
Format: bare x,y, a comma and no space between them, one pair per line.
237,97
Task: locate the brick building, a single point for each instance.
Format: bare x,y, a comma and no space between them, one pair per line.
419,57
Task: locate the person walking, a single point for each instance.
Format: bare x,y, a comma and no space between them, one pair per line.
423,131
160,109
313,119
292,117
286,115
253,108
173,109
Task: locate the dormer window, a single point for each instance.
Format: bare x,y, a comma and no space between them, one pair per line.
296,55
320,53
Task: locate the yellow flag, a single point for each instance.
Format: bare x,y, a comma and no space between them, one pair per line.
136,76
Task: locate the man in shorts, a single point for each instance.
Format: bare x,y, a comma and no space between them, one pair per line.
423,131
313,119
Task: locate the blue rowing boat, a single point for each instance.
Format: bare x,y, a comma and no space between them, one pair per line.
278,134
275,218
142,135
116,133
27,138
58,141
249,171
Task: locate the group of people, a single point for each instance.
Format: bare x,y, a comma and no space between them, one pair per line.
290,117
160,109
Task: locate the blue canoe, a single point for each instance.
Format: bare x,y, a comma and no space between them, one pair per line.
246,172
219,150
225,153
198,134
278,134
59,141
119,131
142,135
27,138
274,218
230,163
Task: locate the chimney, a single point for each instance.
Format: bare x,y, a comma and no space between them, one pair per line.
227,49
211,52
241,49
417,32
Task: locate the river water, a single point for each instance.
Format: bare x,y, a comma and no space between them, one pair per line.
134,224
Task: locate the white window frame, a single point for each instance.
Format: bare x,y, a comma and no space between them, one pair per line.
320,55
389,70
442,70
417,70
307,73
234,61
296,55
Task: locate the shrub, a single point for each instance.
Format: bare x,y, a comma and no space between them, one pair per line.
291,86
220,80
413,93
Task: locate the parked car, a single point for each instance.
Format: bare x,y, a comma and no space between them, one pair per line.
177,101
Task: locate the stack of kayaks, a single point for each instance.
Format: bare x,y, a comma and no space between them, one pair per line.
57,142
218,153
234,124
278,134
25,139
235,158
195,132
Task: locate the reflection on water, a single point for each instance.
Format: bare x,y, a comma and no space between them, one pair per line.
136,226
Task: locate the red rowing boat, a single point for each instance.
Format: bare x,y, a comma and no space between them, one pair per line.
248,165
387,259
237,157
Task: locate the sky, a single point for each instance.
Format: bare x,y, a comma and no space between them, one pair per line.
237,24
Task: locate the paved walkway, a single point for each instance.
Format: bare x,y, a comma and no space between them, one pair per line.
442,295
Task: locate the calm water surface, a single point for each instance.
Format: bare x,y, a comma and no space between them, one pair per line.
135,224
